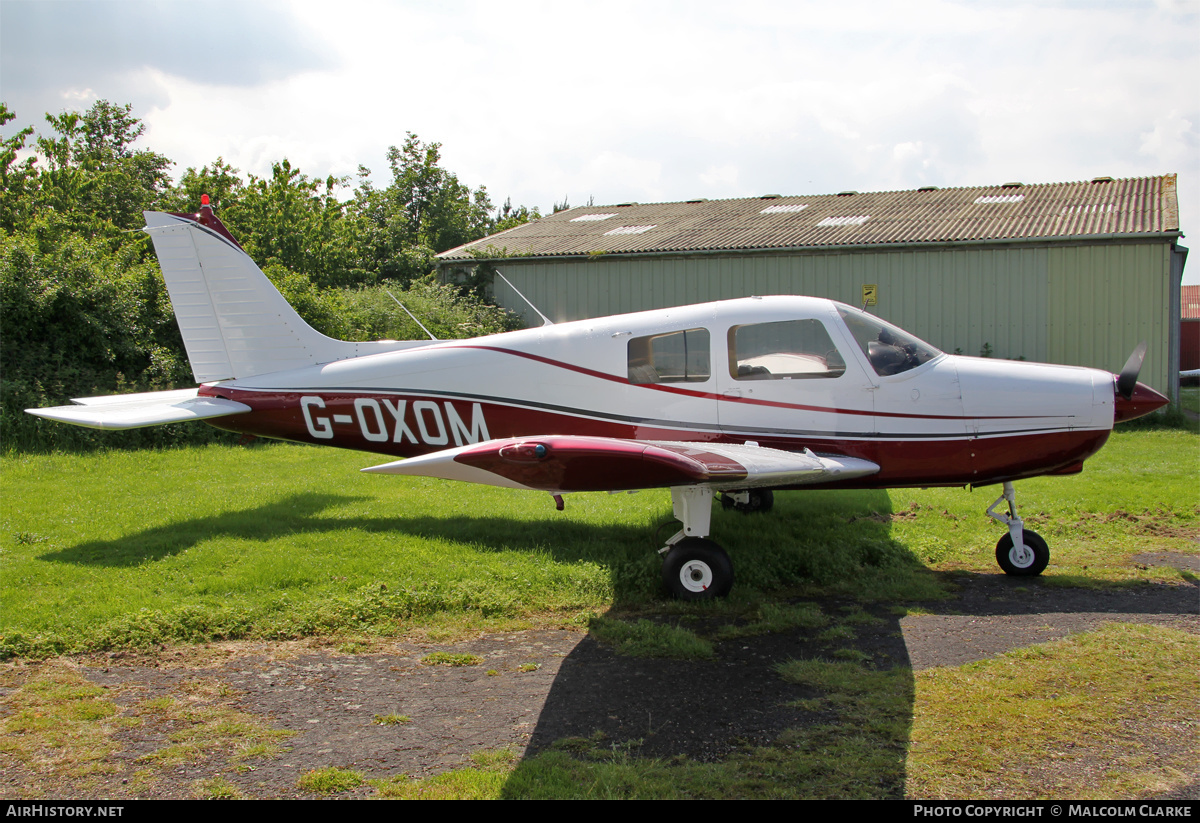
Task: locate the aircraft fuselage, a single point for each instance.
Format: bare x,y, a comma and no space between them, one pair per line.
786,372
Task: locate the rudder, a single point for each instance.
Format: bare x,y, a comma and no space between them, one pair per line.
234,322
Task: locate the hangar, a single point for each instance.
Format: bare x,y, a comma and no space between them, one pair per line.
1189,340
1074,273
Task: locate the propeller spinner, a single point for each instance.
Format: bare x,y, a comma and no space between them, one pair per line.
1127,379
1134,399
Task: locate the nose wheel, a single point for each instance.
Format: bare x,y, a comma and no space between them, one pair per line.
1028,559
1021,552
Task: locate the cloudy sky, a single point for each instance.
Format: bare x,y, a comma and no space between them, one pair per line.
642,101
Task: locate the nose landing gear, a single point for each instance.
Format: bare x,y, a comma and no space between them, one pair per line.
1021,552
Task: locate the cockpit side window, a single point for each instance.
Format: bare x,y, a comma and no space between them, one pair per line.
889,350
786,350
674,357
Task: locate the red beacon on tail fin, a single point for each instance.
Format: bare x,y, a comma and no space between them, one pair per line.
206,218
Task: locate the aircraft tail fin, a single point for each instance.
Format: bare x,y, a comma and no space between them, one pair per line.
235,323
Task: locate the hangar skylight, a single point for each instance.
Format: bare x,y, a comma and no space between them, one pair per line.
784,208
629,230
590,217
1094,208
857,220
1000,198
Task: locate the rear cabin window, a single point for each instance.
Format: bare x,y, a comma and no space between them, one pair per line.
674,357
787,350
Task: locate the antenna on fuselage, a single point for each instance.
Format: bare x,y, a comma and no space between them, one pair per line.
413,316
546,321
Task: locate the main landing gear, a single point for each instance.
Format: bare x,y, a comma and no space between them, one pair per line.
748,501
1021,552
694,567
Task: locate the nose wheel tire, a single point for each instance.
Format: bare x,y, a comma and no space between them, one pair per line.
697,569
1025,561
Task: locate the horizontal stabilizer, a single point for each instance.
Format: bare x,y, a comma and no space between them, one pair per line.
132,411
574,464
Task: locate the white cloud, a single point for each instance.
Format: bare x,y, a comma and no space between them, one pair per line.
1173,141
720,176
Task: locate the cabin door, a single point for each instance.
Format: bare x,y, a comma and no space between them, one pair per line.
788,384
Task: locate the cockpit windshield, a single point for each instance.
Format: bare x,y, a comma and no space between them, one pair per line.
889,350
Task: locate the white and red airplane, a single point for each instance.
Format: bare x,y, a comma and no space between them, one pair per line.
738,397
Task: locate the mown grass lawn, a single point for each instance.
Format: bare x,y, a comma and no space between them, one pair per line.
280,541
277,540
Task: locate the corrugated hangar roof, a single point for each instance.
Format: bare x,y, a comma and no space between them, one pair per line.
1013,211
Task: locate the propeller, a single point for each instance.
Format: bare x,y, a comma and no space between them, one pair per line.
1127,379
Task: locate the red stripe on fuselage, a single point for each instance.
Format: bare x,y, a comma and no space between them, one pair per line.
428,423
728,398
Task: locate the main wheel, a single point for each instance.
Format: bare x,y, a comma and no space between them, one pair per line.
697,569
761,500
1028,561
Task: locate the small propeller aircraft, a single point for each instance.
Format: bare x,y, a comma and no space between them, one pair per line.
737,397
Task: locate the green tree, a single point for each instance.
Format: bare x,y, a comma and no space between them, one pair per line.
508,217
15,174
93,178
371,313
81,320
386,250
440,212
295,222
424,210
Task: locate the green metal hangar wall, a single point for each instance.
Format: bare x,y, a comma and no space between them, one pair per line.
1075,273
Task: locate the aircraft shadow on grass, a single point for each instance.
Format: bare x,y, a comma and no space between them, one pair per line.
670,717
294,514
679,714
855,531
666,718
563,538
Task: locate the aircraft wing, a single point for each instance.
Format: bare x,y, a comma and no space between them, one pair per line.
132,411
559,463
